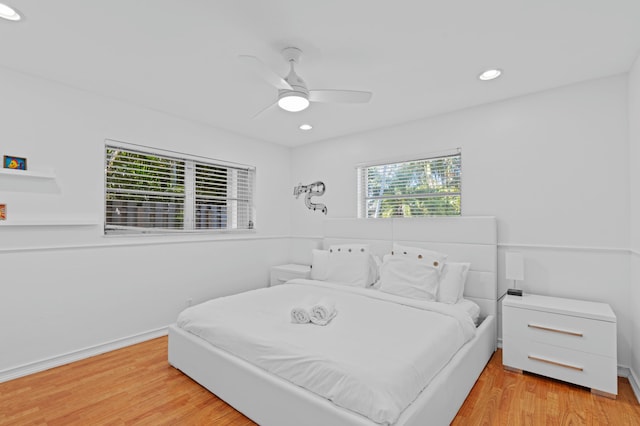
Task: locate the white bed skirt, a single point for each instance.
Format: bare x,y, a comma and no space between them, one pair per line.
271,401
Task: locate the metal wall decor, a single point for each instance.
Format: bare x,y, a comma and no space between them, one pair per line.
314,189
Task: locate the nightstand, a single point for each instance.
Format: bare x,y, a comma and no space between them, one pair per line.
283,273
569,340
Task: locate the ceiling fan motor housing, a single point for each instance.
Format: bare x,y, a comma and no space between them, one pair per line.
294,99
298,86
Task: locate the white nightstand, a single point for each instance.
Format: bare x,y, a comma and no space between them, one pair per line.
570,340
283,273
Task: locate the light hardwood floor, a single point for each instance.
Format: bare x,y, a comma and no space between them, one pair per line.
136,385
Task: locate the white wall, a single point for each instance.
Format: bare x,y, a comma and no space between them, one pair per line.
551,166
634,166
66,287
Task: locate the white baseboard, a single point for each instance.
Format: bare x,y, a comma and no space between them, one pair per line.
635,383
623,371
45,364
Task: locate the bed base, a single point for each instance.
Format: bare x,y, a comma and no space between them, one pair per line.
271,401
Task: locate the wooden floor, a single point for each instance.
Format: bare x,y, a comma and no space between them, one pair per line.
136,385
501,397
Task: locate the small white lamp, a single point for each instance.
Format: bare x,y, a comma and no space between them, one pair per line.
514,270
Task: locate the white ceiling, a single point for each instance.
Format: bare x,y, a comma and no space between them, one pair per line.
420,58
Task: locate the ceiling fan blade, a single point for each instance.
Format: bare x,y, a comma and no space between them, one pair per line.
263,110
261,69
340,96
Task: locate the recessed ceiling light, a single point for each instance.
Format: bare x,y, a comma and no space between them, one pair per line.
490,74
9,13
306,127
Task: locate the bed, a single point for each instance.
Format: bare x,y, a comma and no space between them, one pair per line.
278,399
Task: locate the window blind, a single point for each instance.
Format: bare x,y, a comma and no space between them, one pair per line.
157,192
423,187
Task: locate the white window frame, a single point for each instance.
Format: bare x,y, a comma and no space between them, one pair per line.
187,223
364,196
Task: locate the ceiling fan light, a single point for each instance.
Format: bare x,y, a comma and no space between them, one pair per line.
9,13
293,103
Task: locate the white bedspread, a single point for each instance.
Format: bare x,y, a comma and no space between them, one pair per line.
374,357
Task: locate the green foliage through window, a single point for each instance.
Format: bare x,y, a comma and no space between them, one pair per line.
426,187
149,191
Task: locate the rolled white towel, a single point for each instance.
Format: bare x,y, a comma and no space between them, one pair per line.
323,311
300,315
317,321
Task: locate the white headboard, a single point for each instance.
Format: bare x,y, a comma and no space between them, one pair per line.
463,239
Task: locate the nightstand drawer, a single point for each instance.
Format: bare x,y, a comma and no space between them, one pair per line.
576,333
585,369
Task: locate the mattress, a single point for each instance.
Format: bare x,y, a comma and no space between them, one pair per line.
373,358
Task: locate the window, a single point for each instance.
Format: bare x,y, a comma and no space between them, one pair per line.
154,191
424,187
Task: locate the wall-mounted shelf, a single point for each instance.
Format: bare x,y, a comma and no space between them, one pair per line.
29,181
79,222
39,174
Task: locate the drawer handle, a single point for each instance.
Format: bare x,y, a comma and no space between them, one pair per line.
555,330
573,367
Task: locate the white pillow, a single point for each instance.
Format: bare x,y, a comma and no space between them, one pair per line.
452,279
436,259
409,277
349,264
319,264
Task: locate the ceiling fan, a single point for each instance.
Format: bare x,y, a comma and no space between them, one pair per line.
293,94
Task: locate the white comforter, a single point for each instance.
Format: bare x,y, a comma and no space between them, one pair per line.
374,357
